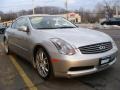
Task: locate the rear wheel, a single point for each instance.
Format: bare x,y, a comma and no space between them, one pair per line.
43,65
6,47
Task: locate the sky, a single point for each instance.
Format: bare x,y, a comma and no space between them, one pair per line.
16,5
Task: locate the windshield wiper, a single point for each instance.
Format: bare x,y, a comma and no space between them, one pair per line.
46,28
66,27
56,27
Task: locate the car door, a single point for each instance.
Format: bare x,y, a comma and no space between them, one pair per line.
21,39
10,34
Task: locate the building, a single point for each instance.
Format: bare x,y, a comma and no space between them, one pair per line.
73,17
7,23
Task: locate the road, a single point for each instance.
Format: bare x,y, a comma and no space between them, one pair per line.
17,74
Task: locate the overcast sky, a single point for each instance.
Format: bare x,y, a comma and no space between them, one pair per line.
15,5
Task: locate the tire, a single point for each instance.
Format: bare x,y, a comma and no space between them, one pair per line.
6,47
43,65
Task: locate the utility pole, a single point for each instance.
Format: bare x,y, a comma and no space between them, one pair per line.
33,6
66,7
0,18
117,11
117,5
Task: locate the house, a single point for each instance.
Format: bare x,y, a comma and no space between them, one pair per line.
73,17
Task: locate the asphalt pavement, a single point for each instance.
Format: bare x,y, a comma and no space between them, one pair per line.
17,74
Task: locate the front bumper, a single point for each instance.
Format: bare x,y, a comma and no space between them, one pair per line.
89,71
72,68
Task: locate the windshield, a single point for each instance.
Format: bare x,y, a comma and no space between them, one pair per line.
50,22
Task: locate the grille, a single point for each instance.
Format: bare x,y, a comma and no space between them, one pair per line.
96,48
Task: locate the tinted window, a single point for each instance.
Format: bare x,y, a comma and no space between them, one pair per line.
14,24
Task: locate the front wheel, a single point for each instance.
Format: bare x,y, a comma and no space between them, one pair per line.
43,65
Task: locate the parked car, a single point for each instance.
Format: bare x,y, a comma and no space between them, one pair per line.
56,47
111,21
2,28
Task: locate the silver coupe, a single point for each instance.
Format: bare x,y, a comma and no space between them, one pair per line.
56,47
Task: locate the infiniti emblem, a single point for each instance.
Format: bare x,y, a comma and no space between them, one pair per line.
101,47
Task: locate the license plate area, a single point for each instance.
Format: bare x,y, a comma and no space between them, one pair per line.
104,60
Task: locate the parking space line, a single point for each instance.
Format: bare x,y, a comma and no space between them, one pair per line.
25,78
2,44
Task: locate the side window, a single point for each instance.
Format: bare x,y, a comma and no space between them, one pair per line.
20,22
13,25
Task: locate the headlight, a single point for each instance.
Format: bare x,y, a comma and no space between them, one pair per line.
63,47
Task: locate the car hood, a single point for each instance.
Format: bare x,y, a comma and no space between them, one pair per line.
79,36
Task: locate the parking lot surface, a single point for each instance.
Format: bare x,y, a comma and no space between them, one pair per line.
17,74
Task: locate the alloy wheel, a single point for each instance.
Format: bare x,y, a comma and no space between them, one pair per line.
42,63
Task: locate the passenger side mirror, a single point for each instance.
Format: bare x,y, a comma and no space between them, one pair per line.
23,28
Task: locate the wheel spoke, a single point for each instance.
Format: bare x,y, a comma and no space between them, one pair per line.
46,69
45,63
40,55
43,69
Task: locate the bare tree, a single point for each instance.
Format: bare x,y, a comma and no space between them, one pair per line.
111,7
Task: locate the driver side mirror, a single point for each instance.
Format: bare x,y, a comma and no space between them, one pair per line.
2,30
23,28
